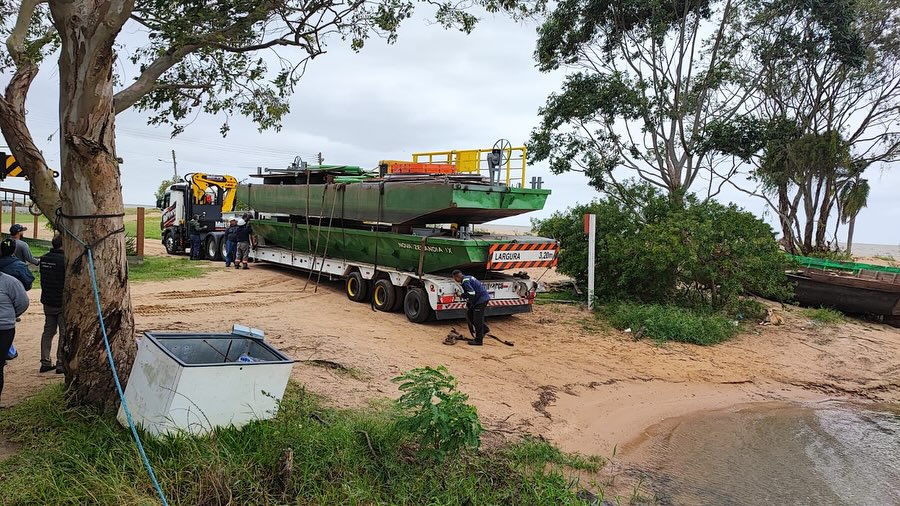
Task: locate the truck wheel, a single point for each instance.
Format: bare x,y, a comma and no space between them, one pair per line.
169,242
399,299
357,287
223,249
415,306
212,249
384,295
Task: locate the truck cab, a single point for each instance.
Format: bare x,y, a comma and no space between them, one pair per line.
203,195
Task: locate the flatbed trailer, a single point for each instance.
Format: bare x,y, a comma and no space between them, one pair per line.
420,297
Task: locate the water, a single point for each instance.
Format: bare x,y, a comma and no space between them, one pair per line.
776,453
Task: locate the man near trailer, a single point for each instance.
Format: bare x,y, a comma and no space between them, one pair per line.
230,242
23,252
477,298
194,236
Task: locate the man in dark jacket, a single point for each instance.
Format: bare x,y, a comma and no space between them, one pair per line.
53,277
476,303
23,252
11,265
242,236
230,242
194,229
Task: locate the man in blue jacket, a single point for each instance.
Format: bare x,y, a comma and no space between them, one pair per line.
11,265
476,303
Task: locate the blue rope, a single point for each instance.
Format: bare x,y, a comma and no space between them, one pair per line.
112,365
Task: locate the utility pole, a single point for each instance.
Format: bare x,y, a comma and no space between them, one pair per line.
174,164
319,158
590,228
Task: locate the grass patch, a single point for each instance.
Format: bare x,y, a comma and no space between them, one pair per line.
71,457
567,296
167,268
824,315
151,227
670,323
886,258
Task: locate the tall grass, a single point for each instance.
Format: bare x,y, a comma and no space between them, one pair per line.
71,457
671,323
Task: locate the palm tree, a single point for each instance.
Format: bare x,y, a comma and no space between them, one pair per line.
854,196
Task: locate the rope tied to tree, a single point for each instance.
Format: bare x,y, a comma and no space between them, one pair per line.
89,251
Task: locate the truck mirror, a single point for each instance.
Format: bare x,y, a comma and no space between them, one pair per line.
159,203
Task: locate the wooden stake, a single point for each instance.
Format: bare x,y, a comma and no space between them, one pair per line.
140,230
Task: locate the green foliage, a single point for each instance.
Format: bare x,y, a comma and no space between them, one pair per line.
649,249
824,316
164,185
671,323
831,254
130,245
74,457
437,413
745,309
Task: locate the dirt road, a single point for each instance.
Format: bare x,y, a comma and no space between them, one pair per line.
568,378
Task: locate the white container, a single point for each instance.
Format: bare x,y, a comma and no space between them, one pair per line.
194,382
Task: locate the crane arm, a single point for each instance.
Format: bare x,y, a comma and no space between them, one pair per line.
227,184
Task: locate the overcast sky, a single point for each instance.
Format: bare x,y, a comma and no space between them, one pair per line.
432,90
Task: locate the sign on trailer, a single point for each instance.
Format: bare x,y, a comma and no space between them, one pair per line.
523,255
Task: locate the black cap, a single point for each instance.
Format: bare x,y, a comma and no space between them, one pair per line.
15,229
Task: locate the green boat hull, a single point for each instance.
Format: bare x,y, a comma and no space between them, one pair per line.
400,251
397,202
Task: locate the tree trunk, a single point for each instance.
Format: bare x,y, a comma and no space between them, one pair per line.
90,187
850,226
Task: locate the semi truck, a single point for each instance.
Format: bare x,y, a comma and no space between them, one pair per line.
205,195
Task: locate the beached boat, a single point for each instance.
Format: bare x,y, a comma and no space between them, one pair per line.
852,288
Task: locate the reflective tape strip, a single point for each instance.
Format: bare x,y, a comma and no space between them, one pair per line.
523,255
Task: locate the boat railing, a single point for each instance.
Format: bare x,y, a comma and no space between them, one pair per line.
474,161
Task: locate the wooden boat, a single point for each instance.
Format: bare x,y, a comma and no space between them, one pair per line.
855,292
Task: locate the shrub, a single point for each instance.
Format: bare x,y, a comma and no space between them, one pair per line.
671,323
653,250
437,413
743,309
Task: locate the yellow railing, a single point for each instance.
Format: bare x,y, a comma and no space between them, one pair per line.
475,161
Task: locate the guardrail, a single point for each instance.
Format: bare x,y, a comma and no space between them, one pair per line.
474,161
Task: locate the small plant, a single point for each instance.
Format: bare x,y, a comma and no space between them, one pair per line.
824,315
130,245
437,413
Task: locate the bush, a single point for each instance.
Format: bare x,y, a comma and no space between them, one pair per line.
445,427
653,250
671,323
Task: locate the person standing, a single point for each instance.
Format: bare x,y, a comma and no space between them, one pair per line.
23,252
13,302
53,276
242,237
230,242
12,266
194,236
476,303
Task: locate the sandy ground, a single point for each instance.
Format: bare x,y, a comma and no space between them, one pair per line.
568,378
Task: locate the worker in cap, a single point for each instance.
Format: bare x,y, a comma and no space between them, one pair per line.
242,238
230,241
477,298
23,252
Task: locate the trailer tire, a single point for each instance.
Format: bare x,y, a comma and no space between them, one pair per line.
223,249
384,296
169,243
357,287
399,299
212,248
415,306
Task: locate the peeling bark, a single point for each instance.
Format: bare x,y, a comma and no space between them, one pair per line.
91,185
